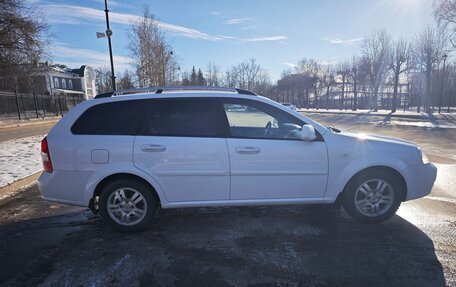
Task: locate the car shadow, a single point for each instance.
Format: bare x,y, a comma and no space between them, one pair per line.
237,246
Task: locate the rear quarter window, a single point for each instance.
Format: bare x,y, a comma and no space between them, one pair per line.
116,118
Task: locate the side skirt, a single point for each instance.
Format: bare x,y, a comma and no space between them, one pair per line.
248,202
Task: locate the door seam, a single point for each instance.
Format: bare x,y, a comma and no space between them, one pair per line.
229,166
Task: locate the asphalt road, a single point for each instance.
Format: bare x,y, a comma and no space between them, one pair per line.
55,245
25,131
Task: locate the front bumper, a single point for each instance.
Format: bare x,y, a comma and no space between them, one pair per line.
420,180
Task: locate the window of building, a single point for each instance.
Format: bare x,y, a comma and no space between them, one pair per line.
70,84
56,82
64,83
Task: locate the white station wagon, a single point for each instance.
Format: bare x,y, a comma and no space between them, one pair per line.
127,154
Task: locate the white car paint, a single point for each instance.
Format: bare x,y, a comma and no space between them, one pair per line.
195,172
190,169
302,165
290,106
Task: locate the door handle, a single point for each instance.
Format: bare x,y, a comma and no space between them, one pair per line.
153,147
247,150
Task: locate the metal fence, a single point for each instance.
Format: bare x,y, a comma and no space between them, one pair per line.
26,106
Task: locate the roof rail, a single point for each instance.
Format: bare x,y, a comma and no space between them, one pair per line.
159,90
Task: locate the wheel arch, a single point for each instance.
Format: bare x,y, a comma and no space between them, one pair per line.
123,175
376,168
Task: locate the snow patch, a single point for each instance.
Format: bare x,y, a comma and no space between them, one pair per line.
19,158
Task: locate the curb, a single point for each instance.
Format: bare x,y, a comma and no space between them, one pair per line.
18,184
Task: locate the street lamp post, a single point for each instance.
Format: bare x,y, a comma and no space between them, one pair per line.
445,56
164,66
109,34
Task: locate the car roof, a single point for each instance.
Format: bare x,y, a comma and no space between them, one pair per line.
175,89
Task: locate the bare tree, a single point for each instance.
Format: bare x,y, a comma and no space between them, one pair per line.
152,55
231,77
249,75
428,51
400,63
376,49
213,75
445,13
185,79
263,85
355,75
103,80
313,71
328,80
286,73
344,72
23,41
126,81
249,70
243,75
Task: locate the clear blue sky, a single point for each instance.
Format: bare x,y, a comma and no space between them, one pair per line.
276,33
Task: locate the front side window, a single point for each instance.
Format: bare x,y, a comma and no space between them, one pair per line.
56,82
70,84
251,119
194,117
63,83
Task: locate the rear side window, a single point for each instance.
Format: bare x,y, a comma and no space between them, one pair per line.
117,118
187,117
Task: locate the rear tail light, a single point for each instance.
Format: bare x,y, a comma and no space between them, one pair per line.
46,156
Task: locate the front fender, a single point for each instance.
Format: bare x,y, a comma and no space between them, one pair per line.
349,155
339,177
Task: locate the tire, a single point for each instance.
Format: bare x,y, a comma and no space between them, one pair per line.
127,205
373,197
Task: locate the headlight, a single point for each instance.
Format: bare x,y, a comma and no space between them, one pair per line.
424,157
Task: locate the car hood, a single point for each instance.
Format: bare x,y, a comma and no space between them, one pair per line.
377,138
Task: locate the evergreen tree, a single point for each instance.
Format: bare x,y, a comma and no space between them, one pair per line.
193,77
201,81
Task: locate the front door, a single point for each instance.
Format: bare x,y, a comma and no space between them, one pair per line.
268,160
180,143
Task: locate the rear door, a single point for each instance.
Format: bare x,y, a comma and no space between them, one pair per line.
268,160
181,144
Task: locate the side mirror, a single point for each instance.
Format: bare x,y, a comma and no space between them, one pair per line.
308,133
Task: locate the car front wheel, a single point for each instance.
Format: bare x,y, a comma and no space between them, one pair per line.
373,197
127,205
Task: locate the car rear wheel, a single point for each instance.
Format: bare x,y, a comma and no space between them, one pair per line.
373,197
127,205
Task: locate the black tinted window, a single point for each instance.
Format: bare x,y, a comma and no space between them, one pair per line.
181,117
118,118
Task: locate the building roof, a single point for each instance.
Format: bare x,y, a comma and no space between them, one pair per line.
79,71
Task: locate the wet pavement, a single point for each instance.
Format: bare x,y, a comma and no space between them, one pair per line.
49,244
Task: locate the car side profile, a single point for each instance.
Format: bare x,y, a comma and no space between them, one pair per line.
129,154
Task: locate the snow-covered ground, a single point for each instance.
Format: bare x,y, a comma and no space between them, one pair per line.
19,158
